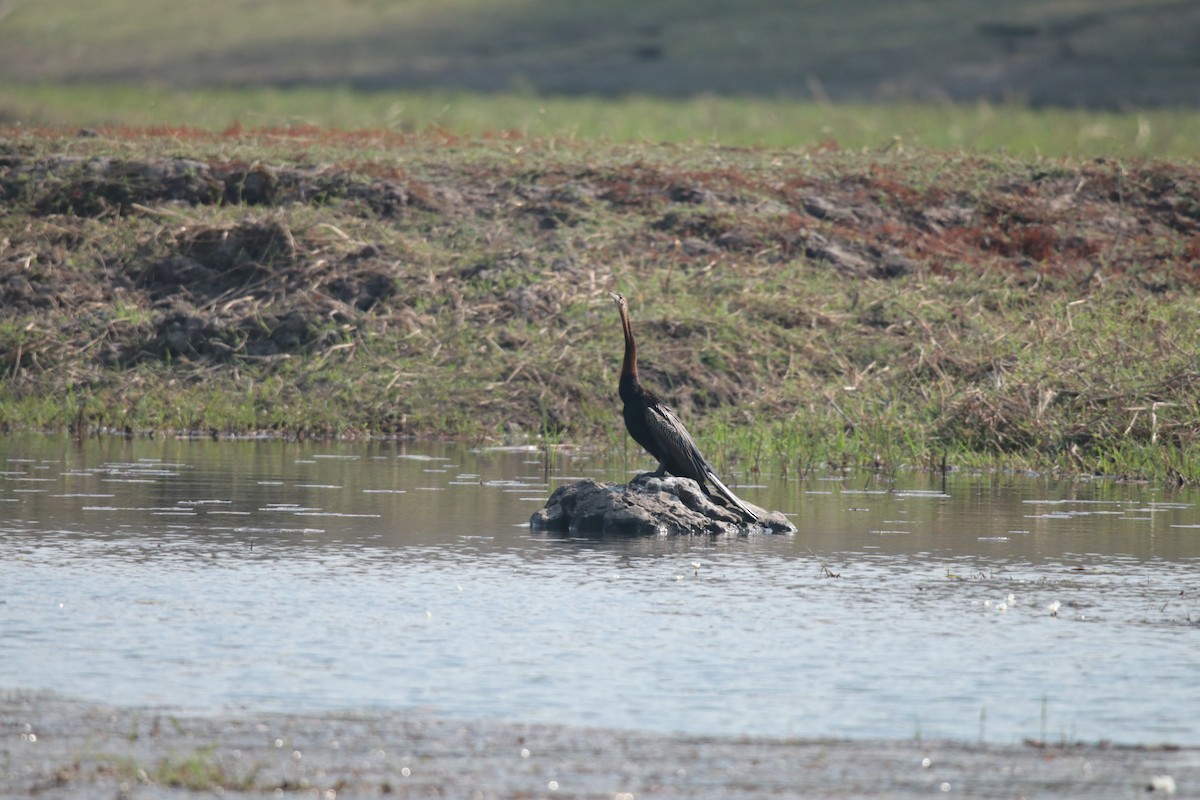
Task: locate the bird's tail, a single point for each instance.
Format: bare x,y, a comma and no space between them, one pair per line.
730,497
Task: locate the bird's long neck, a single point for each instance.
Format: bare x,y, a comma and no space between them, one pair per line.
629,373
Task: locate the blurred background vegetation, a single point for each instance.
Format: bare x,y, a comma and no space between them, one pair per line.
1037,77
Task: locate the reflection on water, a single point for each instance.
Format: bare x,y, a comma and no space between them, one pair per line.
291,576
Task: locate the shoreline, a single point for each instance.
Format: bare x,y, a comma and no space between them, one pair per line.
798,308
60,747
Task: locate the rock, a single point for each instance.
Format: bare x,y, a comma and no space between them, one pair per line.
840,257
647,505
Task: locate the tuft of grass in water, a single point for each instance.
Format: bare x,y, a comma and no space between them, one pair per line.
200,771
1044,716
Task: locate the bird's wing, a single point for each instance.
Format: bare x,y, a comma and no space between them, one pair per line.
674,440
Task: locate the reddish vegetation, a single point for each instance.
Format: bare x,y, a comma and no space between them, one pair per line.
264,244
864,217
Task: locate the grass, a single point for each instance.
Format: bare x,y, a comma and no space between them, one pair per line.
1105,53
198,772
201,771
1024,77
733,122
889,309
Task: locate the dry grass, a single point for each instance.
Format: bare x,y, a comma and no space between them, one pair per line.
800,307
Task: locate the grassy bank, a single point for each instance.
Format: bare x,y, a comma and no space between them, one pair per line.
883,308
707,120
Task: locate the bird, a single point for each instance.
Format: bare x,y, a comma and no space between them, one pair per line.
654,425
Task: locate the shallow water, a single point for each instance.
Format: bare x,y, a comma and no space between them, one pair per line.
299,577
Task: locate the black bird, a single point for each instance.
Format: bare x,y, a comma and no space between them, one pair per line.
654,426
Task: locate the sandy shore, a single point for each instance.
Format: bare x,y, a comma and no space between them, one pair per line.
56,747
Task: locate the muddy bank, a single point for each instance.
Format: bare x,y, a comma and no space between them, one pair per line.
55,747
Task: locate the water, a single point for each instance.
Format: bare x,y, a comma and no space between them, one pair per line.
301,577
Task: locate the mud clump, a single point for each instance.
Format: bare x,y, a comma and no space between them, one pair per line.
99,185
251,246
94,186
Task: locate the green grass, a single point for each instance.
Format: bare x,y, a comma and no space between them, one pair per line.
201,771
801,308
1103,53
741,122
1024,77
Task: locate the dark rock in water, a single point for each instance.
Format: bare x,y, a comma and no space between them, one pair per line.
647,505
